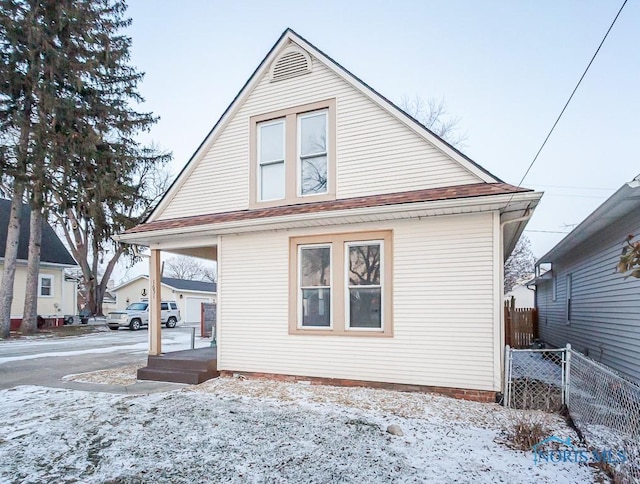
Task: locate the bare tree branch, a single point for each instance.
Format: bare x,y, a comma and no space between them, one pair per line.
433,115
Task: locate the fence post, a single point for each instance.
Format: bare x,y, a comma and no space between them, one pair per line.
567,373
507,376
193,338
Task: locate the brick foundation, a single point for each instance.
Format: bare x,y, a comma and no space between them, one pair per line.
460,393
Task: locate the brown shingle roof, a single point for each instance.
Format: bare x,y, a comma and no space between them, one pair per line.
431,194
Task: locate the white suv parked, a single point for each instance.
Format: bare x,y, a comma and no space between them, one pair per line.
137,315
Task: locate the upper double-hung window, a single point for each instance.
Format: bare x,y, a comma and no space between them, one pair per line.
271,153
293,155
312,146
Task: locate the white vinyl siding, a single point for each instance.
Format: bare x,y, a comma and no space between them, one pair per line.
375,152
443,308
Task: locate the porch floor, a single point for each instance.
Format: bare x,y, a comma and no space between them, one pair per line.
188,366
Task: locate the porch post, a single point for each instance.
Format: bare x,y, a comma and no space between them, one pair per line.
155,297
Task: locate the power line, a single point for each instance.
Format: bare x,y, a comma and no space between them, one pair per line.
570,98
546,231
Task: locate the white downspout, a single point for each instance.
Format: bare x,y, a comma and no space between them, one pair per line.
501,335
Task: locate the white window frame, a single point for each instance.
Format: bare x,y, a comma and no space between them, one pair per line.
299,155
569,296
261,163
300,287
50,277
554,287
347,286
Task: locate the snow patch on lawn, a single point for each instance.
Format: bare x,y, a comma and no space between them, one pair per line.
232,430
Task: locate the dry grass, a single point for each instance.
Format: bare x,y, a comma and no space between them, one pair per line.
526,431
124,375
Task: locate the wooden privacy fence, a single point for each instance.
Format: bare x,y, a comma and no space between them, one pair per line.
207,320
521,325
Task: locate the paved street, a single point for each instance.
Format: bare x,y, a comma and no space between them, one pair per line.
44,361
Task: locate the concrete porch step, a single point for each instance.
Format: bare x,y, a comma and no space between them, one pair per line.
189,366
176,376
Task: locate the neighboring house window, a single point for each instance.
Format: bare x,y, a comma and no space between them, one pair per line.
340,284
312,146
45,287
293,155
364,284
569,294
271,160
315,286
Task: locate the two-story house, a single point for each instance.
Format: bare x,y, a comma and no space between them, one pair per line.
354,246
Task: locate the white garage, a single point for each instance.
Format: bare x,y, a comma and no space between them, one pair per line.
192,311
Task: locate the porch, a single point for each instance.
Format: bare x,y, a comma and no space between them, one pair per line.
188,366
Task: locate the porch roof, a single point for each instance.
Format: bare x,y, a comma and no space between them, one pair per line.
431,194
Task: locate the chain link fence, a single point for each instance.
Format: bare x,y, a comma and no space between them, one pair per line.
604,406
606,409
536,379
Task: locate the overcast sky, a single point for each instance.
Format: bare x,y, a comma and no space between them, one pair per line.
505,68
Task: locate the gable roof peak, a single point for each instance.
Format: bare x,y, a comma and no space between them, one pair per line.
289,35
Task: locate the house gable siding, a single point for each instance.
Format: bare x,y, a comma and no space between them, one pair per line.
605,322
443,308
376,153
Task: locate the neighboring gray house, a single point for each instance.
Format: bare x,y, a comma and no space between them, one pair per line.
582,300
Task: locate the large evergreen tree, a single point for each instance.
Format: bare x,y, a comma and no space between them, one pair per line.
84,166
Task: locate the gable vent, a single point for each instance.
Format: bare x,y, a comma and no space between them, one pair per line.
292,62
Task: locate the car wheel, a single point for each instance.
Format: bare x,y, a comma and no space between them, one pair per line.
135,325
113,329
171,322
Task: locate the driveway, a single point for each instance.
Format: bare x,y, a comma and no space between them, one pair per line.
40,361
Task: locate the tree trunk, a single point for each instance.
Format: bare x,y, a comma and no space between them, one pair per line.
10,258
29,323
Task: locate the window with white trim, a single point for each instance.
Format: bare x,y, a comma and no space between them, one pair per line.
569,295
315,286
45,286
312,153
271,151
364,284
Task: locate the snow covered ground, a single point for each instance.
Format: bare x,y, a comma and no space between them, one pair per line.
234,430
